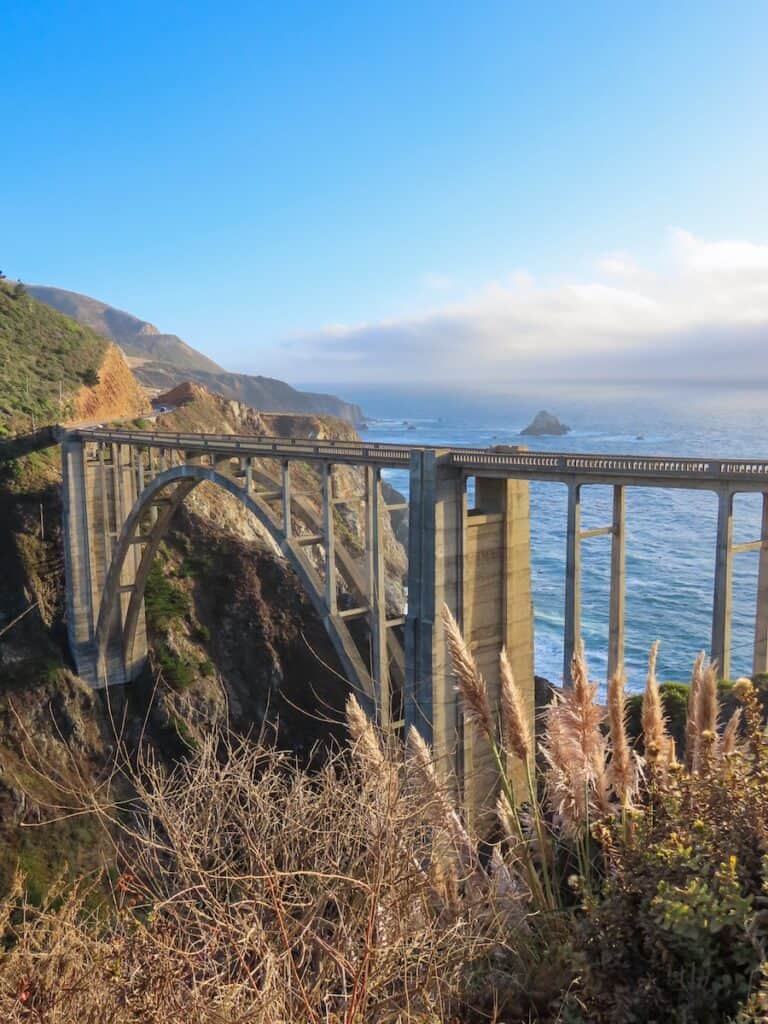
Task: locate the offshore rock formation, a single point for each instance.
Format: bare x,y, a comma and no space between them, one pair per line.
544,423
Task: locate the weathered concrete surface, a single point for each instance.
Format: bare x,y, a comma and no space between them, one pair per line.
477,562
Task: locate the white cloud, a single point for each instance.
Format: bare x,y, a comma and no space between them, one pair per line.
705,318
698,256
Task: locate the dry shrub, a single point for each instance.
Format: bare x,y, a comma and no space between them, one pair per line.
254,891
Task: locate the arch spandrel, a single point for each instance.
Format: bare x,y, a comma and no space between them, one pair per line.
167,492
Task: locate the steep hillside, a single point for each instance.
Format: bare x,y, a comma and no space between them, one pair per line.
53,370
45,360
137,338
161,361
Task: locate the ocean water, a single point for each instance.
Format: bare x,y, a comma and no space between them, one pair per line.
670,533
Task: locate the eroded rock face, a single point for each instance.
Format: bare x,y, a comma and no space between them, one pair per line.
545,423
118,393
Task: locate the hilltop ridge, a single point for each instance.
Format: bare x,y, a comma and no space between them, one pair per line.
139,339
161,361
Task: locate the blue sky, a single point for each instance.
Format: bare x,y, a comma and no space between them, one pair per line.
316,190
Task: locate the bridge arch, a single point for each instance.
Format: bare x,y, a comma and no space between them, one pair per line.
167,493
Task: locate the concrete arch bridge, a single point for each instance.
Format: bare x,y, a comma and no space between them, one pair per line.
123,487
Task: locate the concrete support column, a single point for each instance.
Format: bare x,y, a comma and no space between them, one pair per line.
81,615
760,650
433,577
248,475
616,604
286,488
497,613
375,572
721,606
153,471
478,563
107,511
572,624
329,540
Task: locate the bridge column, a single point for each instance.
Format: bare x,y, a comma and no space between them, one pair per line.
497,613
478,563
286,489
760,651
97,497
329,540
81,615
377,600
616,601
721,606
572,624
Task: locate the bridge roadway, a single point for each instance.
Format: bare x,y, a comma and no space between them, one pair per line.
557,467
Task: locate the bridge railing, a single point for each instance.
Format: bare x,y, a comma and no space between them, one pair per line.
250,445
579,464
546,465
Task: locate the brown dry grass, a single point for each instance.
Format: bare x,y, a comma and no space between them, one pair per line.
254,891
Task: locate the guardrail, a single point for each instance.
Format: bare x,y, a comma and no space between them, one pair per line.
545,465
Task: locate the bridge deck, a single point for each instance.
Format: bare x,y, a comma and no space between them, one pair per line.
637,470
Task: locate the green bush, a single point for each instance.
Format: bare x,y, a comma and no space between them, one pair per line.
202,633
164,603
90,377
176,670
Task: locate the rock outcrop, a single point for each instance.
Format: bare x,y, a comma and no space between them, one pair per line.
118,395
544,423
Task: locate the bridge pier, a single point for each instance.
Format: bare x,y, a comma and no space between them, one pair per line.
98,493
476,561
377,597
572,619
618,582
760,651
720,650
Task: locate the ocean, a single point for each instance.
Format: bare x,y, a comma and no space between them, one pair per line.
670,533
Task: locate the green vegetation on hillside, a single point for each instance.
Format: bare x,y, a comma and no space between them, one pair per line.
43,355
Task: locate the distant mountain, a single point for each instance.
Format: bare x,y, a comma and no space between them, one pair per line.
137,338
263,393
161,361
